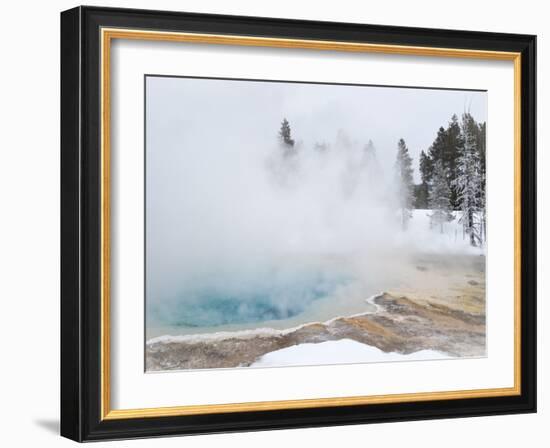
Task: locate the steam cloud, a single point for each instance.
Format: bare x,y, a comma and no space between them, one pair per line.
237,232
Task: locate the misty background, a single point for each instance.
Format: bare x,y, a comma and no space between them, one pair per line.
235,233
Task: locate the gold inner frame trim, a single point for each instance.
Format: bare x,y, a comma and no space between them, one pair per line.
107,35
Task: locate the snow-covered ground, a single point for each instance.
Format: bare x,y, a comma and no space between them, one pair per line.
343,351
420,235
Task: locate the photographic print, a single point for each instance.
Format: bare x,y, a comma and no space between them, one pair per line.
284,202
299,223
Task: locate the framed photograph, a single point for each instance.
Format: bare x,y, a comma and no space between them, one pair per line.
273,223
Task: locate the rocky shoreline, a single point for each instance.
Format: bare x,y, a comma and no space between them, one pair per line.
406,321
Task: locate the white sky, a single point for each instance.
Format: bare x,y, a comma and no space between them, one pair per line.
232,110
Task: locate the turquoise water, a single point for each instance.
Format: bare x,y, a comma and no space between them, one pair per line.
266,295
274,299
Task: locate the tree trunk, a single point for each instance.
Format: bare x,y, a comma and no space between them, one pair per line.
471,227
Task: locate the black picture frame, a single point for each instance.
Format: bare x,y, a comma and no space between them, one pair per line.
81,224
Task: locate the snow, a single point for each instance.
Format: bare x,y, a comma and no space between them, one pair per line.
343,351
421,236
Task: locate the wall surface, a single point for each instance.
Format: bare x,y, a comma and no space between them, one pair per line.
29,228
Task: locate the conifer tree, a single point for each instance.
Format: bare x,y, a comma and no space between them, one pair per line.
469,182
286,140
422,190
404,180
481,146
446,148
451,153
372,170
437,149
369,148
440,198
369,158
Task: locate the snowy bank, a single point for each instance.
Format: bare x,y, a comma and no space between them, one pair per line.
343,351
446,239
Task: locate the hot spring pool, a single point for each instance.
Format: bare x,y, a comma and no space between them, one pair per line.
265,301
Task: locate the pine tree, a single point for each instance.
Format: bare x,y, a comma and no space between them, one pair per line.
286,140
370,167
446,148
426,167
428,160
451,152
369,148
440,198
481,146
437,150
420,194
404,174
369,158
422,190
469,182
